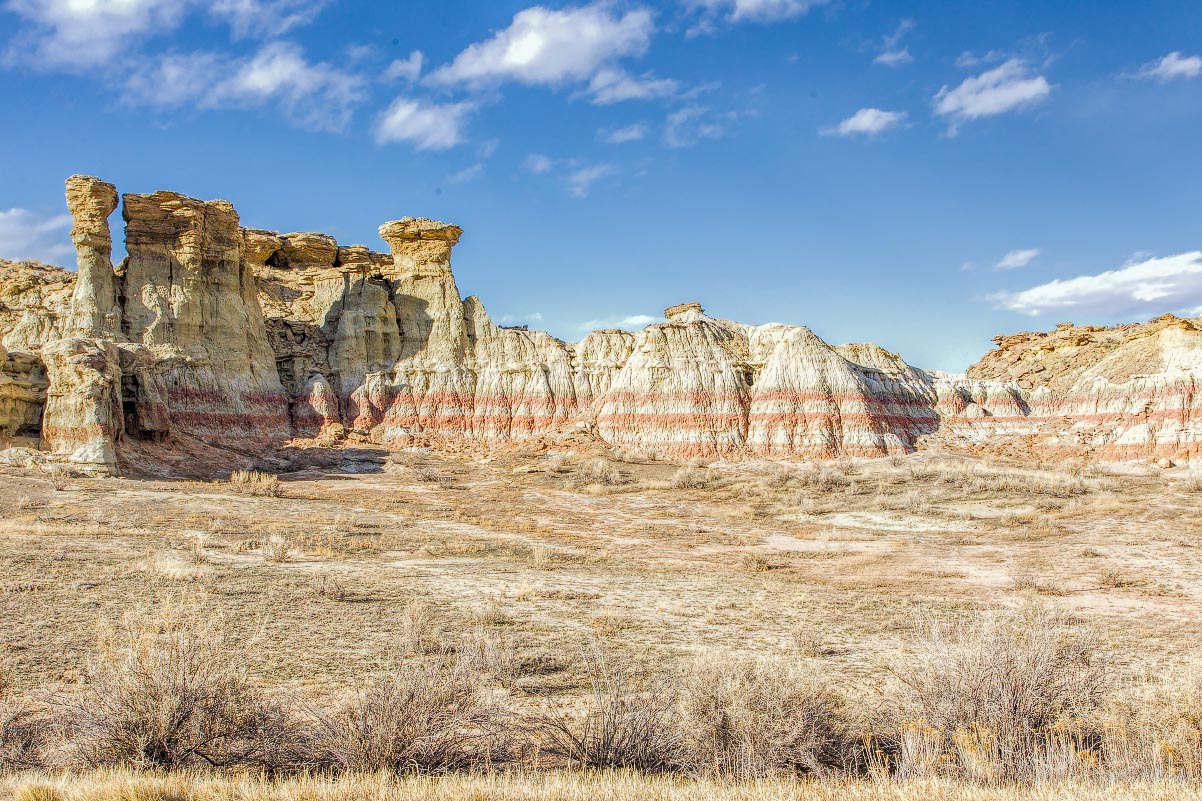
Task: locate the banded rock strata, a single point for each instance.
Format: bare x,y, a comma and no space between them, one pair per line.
242,339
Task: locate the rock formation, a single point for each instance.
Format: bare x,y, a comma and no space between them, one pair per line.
210,334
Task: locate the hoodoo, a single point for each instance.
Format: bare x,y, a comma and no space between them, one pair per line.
213,335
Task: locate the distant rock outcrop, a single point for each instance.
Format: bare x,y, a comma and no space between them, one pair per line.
240,339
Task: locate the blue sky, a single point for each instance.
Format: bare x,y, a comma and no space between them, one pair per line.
924,175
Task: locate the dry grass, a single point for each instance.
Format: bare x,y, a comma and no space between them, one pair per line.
816,569
256,483
550,786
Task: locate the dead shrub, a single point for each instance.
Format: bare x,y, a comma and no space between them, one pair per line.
751,718
625,726
60,477
170,692
256,483
431,475
420,716
993,698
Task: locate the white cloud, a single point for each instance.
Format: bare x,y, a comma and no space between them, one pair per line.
467,174
408,68
542,46
428,126
79,34
1007,87
757,10
537,164
612,85
1172,66
867,121
25,235
1016,259
619,321
264,17
690,125
581,181
629,133
1152,285
75,34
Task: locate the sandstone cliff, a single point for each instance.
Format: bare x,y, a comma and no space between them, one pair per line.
212,335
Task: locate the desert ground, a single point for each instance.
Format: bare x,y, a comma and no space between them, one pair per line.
837,569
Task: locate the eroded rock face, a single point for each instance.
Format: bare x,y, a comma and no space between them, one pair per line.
242,338
35,302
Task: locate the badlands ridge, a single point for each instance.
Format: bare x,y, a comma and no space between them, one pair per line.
213,343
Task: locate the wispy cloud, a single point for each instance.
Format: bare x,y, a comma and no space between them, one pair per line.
83,34
628,133
763,11
316,96
1008,87
969,59
628,321
690,125
1148,286
257,17
425,125
611,85
1171,67
867,122
466,174
537,164
893,54
26,235
408,68
580,181
1016,259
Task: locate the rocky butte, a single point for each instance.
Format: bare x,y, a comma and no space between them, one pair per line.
212,343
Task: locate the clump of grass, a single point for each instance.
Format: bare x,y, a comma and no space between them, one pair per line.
598,471
276,548
327,586
256,483
756,563
692,478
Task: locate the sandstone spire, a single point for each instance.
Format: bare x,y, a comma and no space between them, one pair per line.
431,312
95,310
